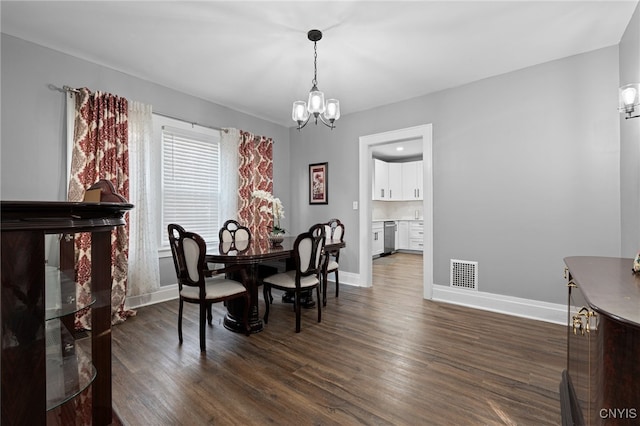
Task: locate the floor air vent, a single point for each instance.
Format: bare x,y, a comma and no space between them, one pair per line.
464,274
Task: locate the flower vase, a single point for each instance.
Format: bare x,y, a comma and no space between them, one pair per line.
276,239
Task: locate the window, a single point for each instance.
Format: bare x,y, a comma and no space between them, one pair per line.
190,159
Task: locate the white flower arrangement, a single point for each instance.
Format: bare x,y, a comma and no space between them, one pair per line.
276,208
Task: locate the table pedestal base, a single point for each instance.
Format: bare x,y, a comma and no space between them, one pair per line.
233,318
233,324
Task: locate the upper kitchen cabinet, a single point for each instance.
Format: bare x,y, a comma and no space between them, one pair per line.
412,180
395,182
380,180
387,181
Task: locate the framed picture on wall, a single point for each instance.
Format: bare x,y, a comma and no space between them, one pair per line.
318,188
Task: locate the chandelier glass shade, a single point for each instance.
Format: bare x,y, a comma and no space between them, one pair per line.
328,112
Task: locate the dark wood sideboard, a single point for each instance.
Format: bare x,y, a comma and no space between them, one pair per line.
601,384
41,367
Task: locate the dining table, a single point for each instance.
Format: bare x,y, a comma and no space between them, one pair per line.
257,258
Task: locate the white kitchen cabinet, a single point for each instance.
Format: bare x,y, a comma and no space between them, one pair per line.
403,235
416,235
419,179
395,181
412,174
417,245
377,238
380,180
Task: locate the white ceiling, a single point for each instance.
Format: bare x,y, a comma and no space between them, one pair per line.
398,151
255,57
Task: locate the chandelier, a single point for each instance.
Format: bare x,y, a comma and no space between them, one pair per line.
328,112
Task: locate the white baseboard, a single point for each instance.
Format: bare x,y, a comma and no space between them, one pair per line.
526,308
347,278
165,293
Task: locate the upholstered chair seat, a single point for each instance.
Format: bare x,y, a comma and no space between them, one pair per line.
332,265
215,288
288,280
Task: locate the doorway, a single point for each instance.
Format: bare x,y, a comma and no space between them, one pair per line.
423,132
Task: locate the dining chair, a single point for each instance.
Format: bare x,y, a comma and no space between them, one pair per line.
199,285
307,255
234,237
334,230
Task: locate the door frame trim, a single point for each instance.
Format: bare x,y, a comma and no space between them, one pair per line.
424,132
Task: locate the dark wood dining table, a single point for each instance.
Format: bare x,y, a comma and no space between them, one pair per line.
254,256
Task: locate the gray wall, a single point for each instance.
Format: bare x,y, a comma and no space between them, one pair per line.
630,142
527,166
526,172
33,117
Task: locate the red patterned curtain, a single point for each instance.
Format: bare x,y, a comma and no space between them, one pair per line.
255,172
100,151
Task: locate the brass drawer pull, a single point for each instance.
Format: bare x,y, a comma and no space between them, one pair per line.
590,321
577,324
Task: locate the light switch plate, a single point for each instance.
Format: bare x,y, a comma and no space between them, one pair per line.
355,205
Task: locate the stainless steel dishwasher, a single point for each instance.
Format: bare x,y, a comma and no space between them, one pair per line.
389,237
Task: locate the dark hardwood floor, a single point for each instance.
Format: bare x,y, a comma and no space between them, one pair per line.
381,356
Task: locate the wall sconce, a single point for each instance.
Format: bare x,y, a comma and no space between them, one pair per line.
629,97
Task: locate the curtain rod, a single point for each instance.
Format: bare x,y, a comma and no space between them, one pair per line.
70,89
66,89
63,89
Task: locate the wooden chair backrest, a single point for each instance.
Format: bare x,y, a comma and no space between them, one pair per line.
232,231
188,250
307,251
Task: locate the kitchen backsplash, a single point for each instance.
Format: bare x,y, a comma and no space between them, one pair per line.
396,210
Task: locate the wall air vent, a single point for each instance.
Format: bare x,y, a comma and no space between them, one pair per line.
464,274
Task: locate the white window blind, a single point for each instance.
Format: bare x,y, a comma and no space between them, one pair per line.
190,181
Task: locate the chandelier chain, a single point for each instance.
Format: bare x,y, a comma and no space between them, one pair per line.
315,64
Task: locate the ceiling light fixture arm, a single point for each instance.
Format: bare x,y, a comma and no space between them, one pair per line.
631,116
330,124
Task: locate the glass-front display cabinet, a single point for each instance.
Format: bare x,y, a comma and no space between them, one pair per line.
45,362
